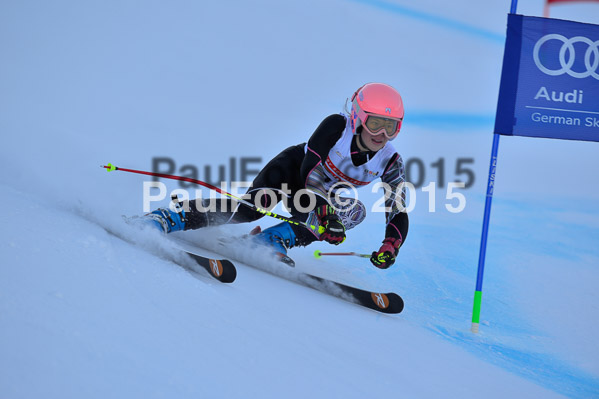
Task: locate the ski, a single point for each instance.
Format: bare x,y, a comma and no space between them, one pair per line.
221,269
389,302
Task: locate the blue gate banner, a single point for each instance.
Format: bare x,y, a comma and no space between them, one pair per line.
550,79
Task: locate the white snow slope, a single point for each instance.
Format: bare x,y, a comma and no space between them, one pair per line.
86,314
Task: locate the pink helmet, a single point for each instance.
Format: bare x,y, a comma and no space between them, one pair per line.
380,101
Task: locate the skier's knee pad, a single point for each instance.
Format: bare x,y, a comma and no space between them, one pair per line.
351,211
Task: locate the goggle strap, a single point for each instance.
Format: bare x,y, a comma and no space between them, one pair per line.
356,93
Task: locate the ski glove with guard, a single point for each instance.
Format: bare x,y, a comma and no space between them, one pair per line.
385,256
334,230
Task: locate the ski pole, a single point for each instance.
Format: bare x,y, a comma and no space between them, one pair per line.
110,167
318,254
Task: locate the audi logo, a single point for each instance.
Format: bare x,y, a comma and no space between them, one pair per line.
567,56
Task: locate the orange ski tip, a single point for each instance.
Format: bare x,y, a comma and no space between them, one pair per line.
380,300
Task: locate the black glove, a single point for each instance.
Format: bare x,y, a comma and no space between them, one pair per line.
385,256
334,230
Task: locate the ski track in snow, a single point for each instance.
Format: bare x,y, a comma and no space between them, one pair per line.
498,350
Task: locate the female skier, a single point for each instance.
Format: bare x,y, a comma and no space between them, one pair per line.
344,150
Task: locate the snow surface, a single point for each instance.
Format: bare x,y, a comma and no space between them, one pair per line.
86,314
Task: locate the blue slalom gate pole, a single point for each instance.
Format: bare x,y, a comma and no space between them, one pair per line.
478,292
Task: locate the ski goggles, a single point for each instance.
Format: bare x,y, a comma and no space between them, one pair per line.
376,125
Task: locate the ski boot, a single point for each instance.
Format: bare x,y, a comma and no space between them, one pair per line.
166,220
280,237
